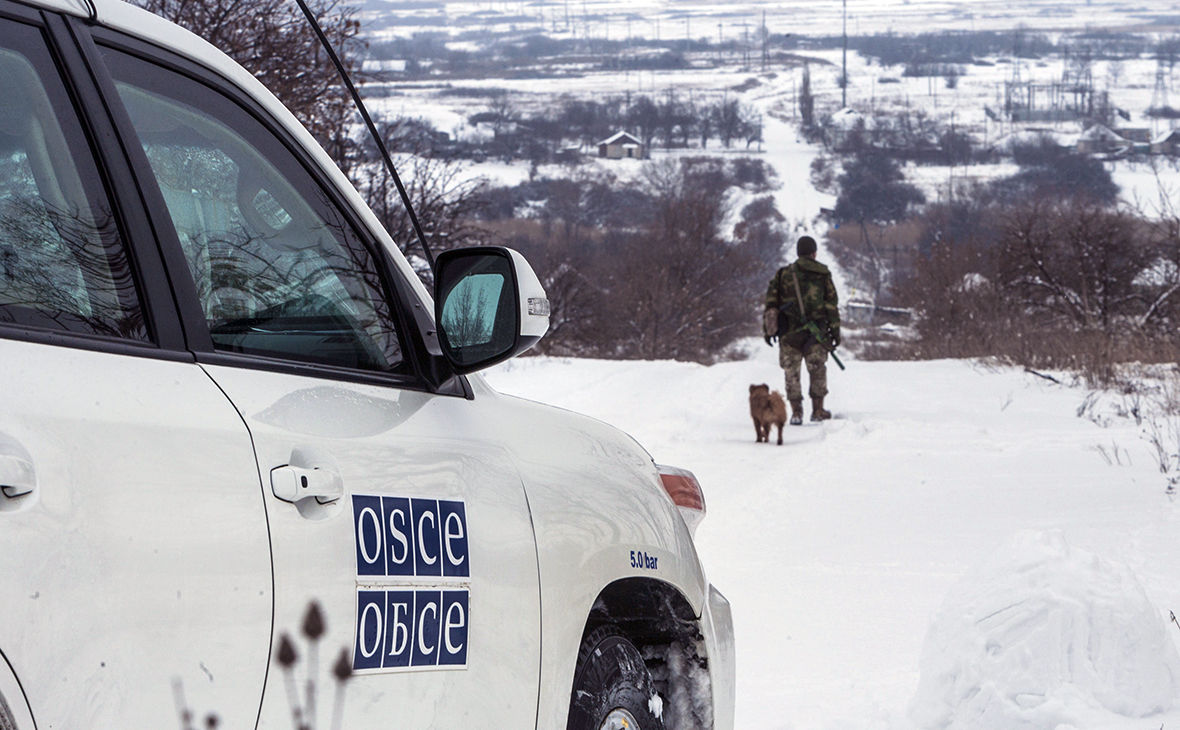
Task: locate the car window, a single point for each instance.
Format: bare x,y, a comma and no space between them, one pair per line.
63,265
277,268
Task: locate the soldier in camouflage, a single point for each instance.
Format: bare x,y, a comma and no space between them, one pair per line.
809,280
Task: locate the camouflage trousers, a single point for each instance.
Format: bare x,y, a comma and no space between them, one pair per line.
816,358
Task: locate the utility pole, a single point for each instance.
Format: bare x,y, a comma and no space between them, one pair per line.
765,54
1159,95
745,44
950,178
844,65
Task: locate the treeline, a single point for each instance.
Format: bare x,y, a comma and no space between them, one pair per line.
889,230
670,121
971,47
1064,283
909,135
954,47
575,126
652,268
430,54
1043,268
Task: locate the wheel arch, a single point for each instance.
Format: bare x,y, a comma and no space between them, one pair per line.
658,619
13,701
646,610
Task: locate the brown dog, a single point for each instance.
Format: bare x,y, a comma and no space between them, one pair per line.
767,407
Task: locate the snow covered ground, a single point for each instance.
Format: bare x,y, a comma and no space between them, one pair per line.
1036,547
739,19
775,95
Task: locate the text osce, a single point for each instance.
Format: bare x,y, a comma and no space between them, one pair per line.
410,537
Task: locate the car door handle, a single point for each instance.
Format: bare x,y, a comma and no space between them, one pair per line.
17,476
294,483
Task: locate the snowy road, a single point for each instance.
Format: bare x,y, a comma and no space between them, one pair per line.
838,548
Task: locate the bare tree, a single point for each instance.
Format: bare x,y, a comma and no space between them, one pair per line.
680,288
446,199
1075,261
704,123
643,116
806,100
727,118
573,282
751,126
650,268
503,117
273,40
1161,280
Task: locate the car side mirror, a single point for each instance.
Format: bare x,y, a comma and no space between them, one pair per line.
489,306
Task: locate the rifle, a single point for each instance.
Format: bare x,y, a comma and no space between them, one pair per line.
813,328
816,332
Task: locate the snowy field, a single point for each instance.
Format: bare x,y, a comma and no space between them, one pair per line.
775,94
952,506
740,19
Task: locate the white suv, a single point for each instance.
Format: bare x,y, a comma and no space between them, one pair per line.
245,482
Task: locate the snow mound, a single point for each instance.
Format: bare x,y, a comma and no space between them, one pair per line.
1045,636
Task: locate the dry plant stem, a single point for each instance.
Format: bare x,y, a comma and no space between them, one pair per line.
1162,432
293,697
186,716
312,665
338,712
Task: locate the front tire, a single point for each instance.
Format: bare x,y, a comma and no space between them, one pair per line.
612,688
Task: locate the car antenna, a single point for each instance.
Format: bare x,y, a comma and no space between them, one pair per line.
360,105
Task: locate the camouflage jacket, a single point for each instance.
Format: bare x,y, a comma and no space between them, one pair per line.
820,303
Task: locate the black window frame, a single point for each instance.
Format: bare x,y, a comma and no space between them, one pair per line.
425,371
154,296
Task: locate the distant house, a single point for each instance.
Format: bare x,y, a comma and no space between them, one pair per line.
1167,143
622,146
1101,140
1134,134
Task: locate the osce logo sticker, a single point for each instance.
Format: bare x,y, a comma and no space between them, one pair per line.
413,578
411,629
400,537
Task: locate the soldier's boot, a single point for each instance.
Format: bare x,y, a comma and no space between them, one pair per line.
817,409
797,412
